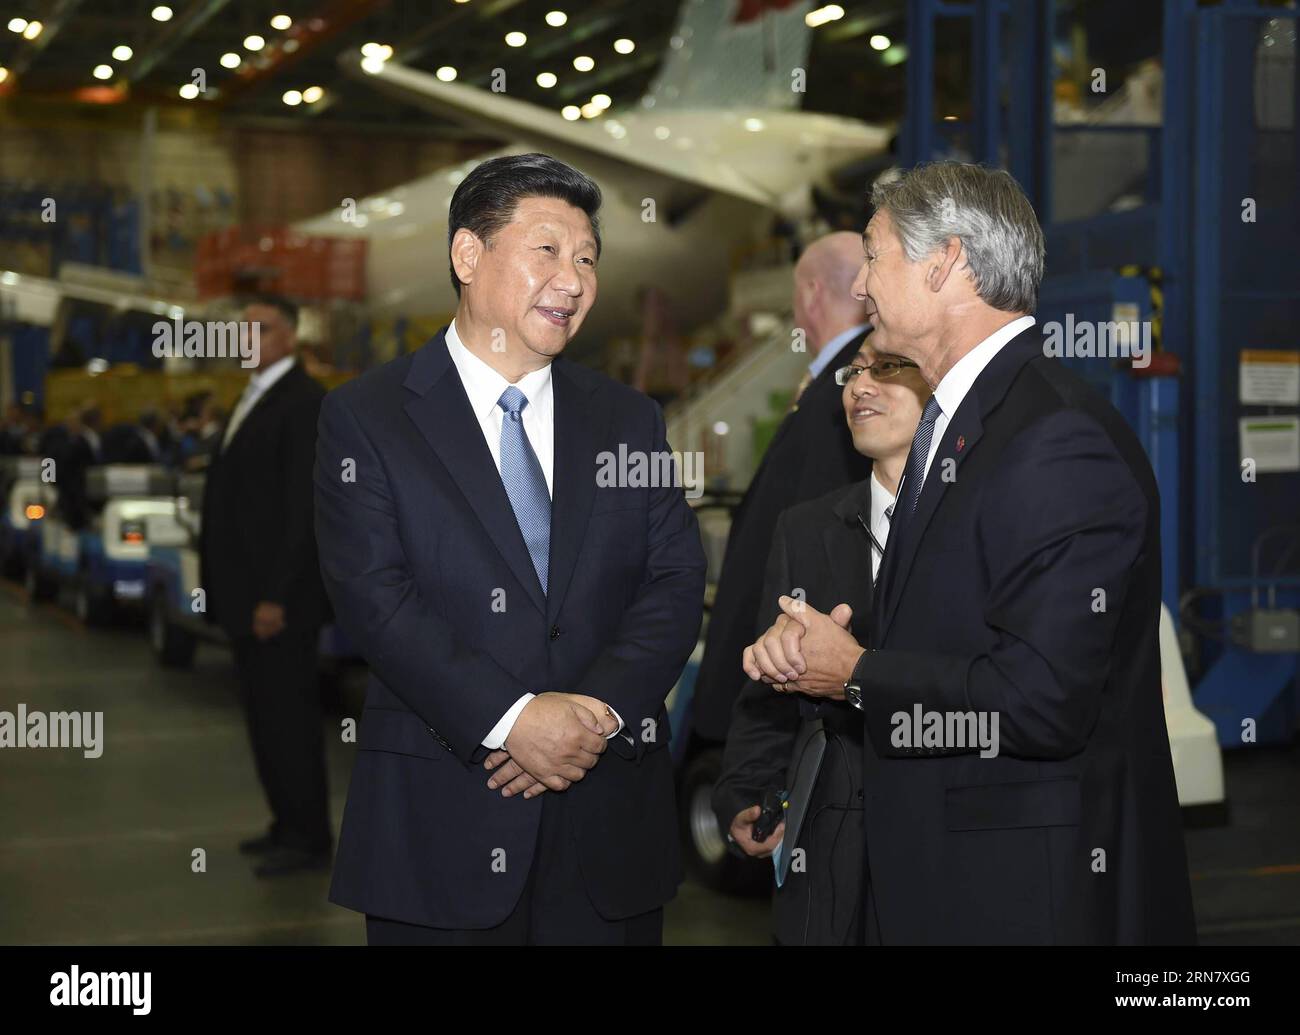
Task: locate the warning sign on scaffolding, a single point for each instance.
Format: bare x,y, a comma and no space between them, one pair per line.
1272,442
1270,377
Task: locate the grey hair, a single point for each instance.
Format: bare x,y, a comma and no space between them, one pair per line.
983,208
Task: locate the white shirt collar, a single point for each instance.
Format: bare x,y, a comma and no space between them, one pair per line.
881,500
832,348
957,382
263,379
484,385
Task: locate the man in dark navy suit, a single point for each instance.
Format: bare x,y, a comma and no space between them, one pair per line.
260,570
1018,785
523,612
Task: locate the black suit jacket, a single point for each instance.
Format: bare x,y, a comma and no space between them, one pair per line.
823,549
810,455
75,459
432,581
1038,501
257,538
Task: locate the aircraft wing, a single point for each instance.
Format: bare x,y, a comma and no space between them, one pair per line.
702,160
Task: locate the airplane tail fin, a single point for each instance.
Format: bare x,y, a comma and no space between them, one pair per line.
733,54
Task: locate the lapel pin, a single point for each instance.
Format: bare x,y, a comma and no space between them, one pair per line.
961,443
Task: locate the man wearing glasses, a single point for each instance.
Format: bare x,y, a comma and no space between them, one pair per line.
820,551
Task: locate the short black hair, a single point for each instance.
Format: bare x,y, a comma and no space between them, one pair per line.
287,308
487,198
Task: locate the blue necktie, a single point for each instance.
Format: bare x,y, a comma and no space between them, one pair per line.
525,484
914,471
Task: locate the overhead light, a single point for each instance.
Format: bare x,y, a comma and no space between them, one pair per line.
123,53
601,101
281,22
446,74
292,98
230,59
546,80
753,125
161,13
556,18
32,31
879,42
4,73
312,94
515,39
583,63
571,112
624,46
379,51
589,110
189,91
103,72
17,24
254,42
950,118
373,65
829,13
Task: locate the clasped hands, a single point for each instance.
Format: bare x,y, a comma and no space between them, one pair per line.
554,741
805,650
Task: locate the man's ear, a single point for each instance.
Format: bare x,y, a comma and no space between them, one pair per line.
466,248
942,264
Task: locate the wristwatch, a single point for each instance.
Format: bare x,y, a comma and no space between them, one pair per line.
852,690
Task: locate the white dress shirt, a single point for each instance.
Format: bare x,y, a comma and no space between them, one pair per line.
258,385
882,506
957,382
484,386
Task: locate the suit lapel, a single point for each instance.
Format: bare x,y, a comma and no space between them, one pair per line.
966,427
575,475
266,399
848,557
441,411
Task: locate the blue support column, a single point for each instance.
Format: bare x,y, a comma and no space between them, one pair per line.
1207,282
917,141
1030,102
986,26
